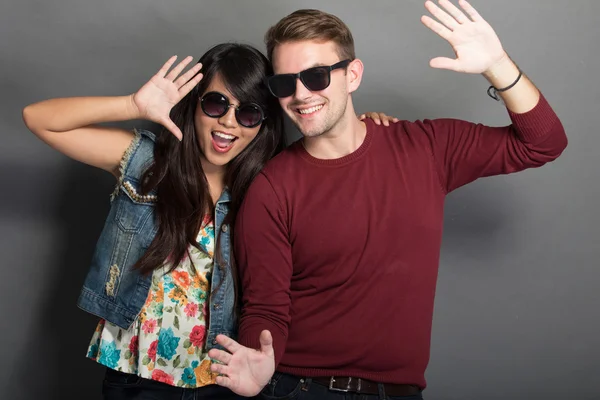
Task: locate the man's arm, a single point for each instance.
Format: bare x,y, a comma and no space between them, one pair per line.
264,260
520,98
465,151
479,51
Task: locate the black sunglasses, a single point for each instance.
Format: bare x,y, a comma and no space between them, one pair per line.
315,79
215,105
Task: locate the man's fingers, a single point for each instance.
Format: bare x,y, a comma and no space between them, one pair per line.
231,345
441,15
220,355
470,10
224,381
458,15
445,63
435,26
219,368
266,343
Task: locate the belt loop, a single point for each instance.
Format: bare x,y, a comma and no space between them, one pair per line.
306,384
381,390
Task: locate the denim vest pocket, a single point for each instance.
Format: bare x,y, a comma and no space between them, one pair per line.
113,289
133,207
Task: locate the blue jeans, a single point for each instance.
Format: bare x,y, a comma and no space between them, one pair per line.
121,386
290,387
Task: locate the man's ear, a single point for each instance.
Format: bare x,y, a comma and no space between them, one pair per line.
354,73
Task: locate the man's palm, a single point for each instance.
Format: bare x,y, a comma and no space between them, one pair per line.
243,370
476,45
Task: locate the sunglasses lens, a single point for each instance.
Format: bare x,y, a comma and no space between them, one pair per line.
214,104
249,115
282,85
316,78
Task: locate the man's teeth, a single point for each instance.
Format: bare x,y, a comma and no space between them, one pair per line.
224,135
310,110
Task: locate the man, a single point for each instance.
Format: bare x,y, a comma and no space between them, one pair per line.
338,239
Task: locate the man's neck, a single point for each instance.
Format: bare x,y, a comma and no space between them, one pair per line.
343,139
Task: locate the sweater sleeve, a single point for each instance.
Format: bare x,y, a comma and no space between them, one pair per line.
264,259
464,151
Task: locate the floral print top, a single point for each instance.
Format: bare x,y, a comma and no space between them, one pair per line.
166,342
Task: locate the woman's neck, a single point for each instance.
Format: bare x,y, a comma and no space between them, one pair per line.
215,176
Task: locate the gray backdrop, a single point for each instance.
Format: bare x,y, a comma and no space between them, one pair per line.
516,311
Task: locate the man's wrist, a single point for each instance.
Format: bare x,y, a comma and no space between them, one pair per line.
502,73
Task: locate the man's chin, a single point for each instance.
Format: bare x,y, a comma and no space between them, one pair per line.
308,129
309,132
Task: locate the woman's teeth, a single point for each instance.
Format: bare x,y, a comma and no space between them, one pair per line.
222,140
224,135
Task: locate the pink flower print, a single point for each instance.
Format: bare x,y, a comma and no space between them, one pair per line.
149,326
191,309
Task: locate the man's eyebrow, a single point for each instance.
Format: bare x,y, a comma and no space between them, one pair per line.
318,65
312,66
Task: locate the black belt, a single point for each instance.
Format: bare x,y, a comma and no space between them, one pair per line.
365,386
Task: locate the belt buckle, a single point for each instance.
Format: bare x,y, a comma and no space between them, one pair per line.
347,389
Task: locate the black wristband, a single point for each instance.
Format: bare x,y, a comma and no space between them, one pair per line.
493,92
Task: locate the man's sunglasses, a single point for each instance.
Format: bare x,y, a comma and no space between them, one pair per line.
315,79
215,105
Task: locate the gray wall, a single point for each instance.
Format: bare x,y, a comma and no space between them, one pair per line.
517,305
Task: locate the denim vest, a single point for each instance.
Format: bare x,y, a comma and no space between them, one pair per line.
116,292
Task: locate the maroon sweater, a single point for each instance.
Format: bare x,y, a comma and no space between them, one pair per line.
339,258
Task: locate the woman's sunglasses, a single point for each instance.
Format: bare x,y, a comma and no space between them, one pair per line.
215,105
315,79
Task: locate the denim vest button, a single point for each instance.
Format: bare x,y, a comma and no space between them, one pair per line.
216,306
214,341
224,228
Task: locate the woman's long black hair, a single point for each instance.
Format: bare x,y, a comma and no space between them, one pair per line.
182,188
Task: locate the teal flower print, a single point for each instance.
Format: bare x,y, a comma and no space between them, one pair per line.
197,295
109,355
189,376
168,284
157,310
167,344
204,242
93,351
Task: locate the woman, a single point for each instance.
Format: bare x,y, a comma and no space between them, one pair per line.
162,278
